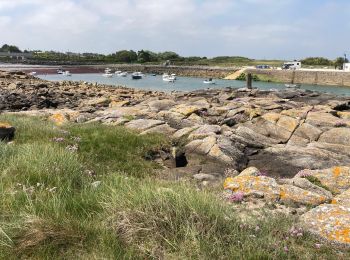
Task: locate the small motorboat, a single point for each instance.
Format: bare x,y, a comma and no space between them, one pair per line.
209,81
67,73
33,73
118,72
108,70
107,75
60,71
168,78
292,85
121,74
137,75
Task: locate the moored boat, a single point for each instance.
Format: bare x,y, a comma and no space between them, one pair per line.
121,74
67,73
168,78
292,85
209,81
107,75
137,75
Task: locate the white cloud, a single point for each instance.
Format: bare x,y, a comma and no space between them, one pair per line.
191,27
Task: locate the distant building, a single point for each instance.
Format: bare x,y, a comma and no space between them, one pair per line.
15,55
346,67
292,65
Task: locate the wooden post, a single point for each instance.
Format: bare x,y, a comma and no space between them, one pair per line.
249,80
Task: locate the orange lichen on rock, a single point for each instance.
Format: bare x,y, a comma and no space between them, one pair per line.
5,125
337,179
336,172
331,221
254,184
293,194
58,118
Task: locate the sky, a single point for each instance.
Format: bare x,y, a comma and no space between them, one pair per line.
261,29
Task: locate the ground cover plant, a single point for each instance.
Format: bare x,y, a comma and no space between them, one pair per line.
90,192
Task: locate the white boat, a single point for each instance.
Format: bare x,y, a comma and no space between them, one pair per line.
33,73
107,75
137,75
108,70
121,74
174,76
292,86
117,72
168,78
60,71
67,73
209,81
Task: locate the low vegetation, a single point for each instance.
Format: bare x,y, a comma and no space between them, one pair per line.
89,192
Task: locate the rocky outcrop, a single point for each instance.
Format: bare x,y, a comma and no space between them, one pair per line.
331,222
295,143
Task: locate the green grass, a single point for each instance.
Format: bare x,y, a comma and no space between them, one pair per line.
50,210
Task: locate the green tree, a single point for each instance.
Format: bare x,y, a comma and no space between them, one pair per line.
339,62
9,48
126,56
168,55
316,61
146,56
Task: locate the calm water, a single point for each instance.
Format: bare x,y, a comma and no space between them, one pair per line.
150,82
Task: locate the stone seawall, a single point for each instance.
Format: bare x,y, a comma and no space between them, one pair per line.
333,78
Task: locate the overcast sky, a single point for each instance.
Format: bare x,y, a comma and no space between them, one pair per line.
254,28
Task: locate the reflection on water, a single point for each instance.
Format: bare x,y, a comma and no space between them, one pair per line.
150,82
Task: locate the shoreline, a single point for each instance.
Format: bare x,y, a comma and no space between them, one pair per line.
308,77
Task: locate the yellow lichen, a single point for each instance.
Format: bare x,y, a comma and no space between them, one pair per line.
336,172
5,125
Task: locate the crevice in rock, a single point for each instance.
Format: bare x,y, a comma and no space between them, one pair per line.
181,160
343,106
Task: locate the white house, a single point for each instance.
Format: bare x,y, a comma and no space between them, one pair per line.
346,67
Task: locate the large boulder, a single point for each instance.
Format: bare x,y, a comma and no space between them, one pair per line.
299,196
264,186
285,161
204,131
160,105
7,132
330,222
321,119
305,134
339,135
336,179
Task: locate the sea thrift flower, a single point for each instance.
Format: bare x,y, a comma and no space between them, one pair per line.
262,173
237,197
303,174
286,249
318,246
